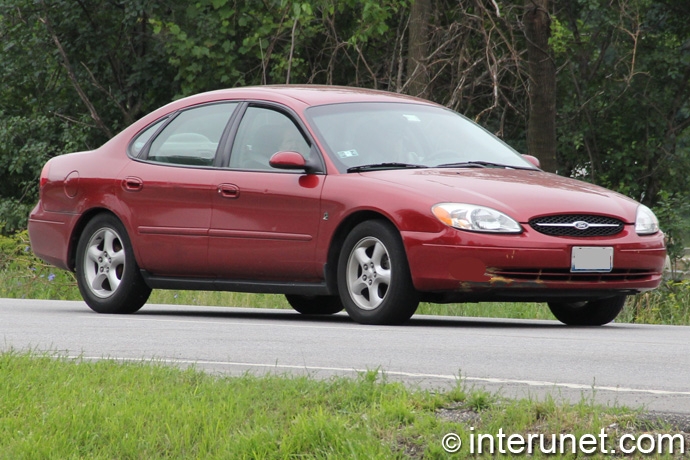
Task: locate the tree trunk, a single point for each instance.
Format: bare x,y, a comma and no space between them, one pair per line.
418,79
541,125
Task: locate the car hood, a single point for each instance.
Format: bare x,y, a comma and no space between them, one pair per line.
522,194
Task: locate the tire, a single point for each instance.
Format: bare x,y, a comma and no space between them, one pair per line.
374,280
107,274
315,305
589,313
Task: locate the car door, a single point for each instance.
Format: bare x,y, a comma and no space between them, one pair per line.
170,190
265,221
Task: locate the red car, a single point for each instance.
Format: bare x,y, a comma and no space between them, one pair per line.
337,198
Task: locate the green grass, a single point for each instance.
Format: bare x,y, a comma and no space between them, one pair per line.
52,407
57,408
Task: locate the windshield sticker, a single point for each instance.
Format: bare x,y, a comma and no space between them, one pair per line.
413,118
348,153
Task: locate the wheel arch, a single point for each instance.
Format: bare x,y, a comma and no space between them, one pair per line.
341,232
84,219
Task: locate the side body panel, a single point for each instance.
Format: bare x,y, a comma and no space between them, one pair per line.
168,214
264,226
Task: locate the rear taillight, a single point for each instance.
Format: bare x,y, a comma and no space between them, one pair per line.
44,175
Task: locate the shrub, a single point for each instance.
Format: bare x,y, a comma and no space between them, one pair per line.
26,276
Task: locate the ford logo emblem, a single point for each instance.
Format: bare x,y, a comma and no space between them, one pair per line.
581,225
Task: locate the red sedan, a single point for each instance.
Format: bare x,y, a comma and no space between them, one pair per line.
337,198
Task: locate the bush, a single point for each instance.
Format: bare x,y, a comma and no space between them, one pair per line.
23,275
669,304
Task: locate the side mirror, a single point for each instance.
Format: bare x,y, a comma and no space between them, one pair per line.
532,159
288,160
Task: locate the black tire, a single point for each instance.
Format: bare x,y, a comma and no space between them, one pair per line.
374,280
107,274
315,305
589,313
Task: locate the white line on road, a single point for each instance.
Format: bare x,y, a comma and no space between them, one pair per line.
533,383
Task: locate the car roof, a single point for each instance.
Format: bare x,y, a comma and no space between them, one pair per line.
309,95
297,97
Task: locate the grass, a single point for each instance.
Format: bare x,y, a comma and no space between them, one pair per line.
55,407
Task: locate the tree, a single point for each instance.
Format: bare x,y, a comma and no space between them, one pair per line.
624,117
625,87
541,123
417,49
222,43
74,73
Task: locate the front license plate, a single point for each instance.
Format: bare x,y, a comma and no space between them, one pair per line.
591,259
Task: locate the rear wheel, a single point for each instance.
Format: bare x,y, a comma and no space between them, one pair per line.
107,274
315,305
588,313
374,279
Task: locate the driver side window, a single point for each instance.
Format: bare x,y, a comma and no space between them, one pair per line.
262,133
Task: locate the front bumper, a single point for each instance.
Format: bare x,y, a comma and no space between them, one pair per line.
455,266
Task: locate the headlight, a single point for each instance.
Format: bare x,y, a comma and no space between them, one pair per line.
475,218
646,222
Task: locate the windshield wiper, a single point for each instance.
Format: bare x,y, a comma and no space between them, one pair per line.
478,164
374,166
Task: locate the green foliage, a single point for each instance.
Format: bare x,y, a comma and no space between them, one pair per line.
25,276
480,400
624,95
219,43
106,50
26,143
669,304
624,103
673,212
74,73
623,110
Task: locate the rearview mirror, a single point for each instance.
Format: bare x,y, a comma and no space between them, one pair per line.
532,159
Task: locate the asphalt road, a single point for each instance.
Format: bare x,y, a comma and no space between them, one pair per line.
633,365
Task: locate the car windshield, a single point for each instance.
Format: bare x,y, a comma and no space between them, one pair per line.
369,136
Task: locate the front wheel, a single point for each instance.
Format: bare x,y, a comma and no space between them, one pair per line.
374,279
107,274
588,313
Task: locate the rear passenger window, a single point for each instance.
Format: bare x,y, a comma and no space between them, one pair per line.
143,137
192,137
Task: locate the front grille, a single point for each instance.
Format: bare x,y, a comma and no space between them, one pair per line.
564,275
577,225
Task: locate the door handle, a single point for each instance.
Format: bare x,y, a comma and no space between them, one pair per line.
132,184
229,191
